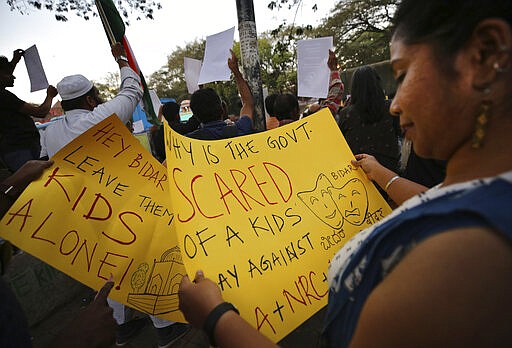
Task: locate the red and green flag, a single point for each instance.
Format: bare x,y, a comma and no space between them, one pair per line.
115,30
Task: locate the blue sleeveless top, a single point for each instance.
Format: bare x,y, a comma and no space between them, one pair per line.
366,259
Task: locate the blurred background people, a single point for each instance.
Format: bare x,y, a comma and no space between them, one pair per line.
208,107
367,124
170,112
335,93
286,108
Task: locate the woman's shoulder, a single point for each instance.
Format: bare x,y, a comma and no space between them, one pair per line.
458,281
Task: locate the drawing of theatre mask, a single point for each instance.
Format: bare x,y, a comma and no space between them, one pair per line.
352,201
321,204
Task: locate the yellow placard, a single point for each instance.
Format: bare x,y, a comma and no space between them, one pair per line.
102,208
263,214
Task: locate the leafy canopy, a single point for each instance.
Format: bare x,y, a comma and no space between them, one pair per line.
84,8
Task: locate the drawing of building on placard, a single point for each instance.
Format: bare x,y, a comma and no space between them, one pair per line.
155,287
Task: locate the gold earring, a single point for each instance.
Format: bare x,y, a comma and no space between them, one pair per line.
481,125
498,68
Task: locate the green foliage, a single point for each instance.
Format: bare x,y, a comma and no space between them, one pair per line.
84,8
278,57
361,30
169,81
109,86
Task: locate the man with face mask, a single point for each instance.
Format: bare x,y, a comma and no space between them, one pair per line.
84,108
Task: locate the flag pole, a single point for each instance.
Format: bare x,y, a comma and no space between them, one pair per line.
104,21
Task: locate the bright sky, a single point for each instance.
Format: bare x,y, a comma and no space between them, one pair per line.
81,47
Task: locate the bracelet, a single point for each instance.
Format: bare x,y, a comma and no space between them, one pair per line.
392,180
9,191
213,318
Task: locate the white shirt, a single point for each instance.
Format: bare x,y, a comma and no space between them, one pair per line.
77,121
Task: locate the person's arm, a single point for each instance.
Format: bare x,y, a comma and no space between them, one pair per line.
16,56
130,91
243,88
94,327
14,185
336,86
198,299
452,290
43,109
119,54
399,189
29,109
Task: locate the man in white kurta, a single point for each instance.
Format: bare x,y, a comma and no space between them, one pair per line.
91,110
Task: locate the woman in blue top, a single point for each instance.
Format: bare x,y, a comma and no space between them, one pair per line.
438,271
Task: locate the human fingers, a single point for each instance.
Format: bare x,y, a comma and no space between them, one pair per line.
232,62
51,91
38,164
28,172
185,282
199,276
118,49
116,45
101,296
42,165
37,167
332,61
233,56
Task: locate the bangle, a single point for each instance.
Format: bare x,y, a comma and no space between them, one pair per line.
392,180
213,318
9,191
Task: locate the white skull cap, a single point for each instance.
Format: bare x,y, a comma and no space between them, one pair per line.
74,86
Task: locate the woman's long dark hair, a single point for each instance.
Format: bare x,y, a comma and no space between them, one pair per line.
447,24
367,96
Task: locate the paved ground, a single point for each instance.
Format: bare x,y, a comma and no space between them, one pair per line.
304,336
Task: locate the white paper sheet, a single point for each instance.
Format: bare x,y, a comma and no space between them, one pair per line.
138,126
35,69
155,100
192,70
312,70
215,61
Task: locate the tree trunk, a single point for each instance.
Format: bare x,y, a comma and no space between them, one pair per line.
250,58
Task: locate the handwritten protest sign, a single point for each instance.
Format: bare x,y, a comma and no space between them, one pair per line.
263,214
103,208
